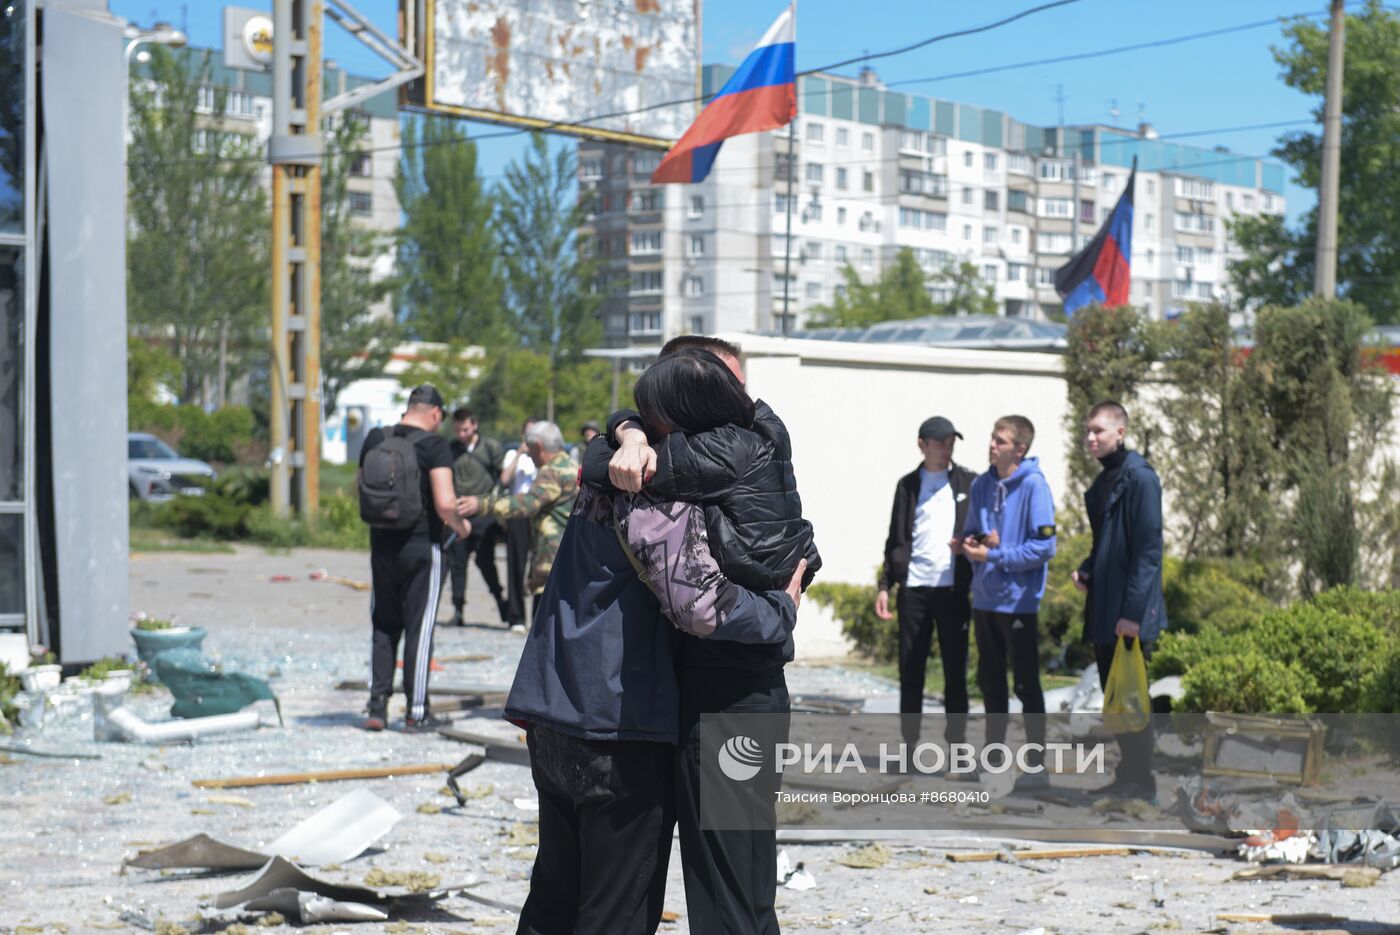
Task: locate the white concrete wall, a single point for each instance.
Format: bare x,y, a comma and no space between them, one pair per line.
853,411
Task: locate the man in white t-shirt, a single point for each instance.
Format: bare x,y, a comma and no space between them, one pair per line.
930,504
517,474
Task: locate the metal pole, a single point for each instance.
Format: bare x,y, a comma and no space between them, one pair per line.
1074,247
1325,280
787,244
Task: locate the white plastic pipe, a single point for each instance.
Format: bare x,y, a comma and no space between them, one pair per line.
111,721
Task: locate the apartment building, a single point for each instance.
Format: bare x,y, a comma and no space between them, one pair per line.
864,172
248,111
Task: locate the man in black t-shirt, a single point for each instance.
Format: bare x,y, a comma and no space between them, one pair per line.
406,568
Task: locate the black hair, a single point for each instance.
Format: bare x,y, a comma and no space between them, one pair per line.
462,414
704,342
691,391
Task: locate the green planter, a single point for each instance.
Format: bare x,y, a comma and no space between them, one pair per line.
151,643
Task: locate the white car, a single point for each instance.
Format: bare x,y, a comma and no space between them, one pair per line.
155,471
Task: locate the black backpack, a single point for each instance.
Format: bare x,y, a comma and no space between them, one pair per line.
391,495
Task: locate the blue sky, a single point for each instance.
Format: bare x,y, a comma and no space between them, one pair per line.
1222,81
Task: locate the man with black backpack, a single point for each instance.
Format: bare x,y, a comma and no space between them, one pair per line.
406,497
476,472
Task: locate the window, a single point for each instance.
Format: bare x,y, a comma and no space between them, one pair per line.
989,272
697,206
812,250
1181,288
1044,276
923,220
1185,254
1151,256
813,290
1018,201
1268,202
1016,234
989,236
933,259
989,162
1055,207
840,253
1086,210
1018,163
967,195
814,172
646,282
646,242
647,200
1015,272
840,215
937,145
813,211
867,142
1195,188
1248,202
867,257
815,132
645,163
1149,222
1052,170
841,178
1110,183
991,201
1151,186
911,141
361,202
967,232
784,284
1230,201
591,169
697,245
694,286
362,166
780,204
839,292
1054,243
914,182
1205,290
697,324
644,322
867,180
842,137
1195,223
868,222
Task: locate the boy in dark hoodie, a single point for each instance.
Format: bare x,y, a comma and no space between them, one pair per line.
1009,537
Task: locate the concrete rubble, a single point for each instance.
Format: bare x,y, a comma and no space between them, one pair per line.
62,848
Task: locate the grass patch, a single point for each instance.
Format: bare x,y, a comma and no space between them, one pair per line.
338,479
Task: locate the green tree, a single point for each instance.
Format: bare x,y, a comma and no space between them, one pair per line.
547,275
354,342
900,293
448,278
1109,354
1368,259
1221,470
969,293
197,265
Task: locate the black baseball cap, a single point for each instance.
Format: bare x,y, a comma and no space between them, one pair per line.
426,395
938,429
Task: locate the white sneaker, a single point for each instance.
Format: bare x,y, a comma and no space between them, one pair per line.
518,628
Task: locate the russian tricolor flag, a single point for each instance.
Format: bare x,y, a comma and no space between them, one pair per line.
1101,273
762,95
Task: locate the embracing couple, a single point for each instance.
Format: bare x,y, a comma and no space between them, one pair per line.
674,594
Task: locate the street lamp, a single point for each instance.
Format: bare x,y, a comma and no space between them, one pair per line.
159,34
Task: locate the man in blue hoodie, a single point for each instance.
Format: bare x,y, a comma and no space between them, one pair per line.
1009,537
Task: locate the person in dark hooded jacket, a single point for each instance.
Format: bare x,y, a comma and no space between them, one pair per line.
1122,577
743,476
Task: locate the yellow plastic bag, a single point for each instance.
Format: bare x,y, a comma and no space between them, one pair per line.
1126,705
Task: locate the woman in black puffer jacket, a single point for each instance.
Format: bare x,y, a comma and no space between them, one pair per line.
743,476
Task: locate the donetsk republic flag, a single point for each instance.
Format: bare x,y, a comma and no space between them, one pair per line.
1101,272
762,95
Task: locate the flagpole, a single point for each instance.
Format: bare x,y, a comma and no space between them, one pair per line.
787,239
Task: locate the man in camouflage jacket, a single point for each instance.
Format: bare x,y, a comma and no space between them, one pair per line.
547,503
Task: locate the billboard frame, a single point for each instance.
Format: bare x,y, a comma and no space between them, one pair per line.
418,16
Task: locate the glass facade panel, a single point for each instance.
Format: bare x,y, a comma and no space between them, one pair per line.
969,123
11,373
814,96
11,563
944,118
869,105
842,101
896,108
12,88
